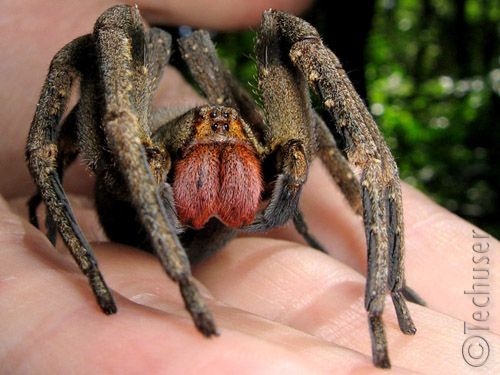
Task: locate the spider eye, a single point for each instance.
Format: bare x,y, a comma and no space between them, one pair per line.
226,126
213,114
215,127
226,114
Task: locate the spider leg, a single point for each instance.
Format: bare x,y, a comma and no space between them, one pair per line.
156,53
337,166
220,86
115,31
339,169
380,188
396,280
303,229
291,134
198,51
67,153
156,57
42,153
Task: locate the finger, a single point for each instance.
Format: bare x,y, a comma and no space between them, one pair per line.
47,311
317,294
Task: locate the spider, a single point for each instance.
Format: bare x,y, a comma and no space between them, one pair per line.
183,185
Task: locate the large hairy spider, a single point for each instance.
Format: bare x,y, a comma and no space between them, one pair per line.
182,187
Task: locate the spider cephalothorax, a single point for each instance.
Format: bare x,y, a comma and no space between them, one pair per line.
183,186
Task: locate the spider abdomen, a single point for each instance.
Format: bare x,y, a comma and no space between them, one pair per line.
220,179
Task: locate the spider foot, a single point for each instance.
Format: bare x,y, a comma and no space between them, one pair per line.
379,343
202,317
107,305
404,319
102,293
206,324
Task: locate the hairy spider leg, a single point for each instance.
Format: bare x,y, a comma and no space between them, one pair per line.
117,215
67,151
291,137
116,31
338,166
380,188
344,176
42,153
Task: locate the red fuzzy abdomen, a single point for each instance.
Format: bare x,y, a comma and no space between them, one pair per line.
217,179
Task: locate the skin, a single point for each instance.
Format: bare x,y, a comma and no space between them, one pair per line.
280,305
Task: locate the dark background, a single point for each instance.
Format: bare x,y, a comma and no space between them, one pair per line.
430,73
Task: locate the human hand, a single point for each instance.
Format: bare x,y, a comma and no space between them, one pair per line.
279,306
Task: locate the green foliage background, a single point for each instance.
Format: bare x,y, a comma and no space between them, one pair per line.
433,81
